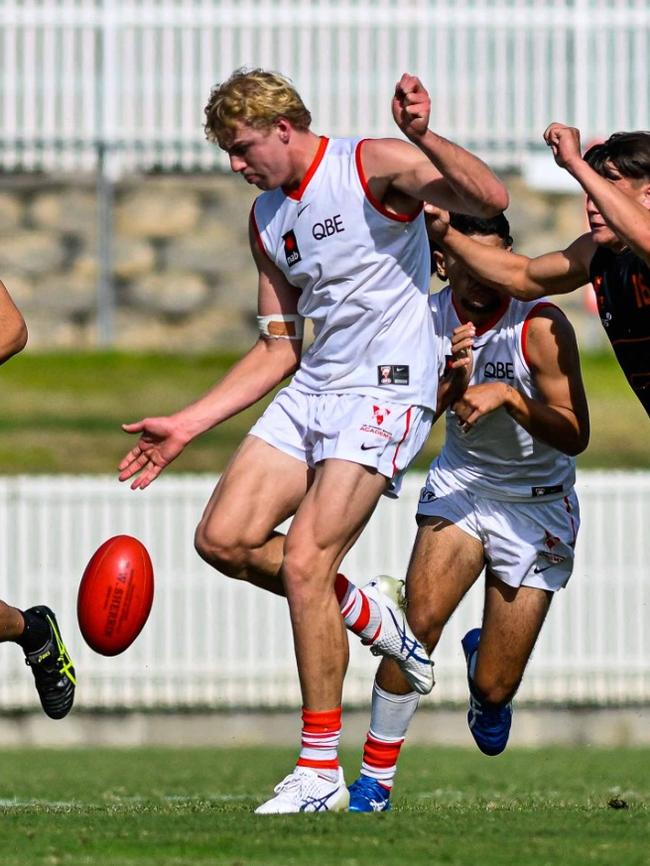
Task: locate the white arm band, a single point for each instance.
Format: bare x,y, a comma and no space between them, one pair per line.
281,327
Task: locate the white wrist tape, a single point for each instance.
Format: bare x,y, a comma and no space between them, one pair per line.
281,327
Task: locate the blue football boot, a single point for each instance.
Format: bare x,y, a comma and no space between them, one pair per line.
367,795
489,724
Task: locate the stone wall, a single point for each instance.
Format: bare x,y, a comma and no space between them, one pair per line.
183,274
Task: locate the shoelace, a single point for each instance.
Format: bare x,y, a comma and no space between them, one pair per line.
288,783
63,659
479,710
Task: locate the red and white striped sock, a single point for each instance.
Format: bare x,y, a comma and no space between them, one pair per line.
380,759
360,613
321,732
389,722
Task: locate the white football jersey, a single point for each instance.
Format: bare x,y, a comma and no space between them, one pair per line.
497,457
363,275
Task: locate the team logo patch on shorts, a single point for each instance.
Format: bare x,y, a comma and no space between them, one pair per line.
379,413
393,374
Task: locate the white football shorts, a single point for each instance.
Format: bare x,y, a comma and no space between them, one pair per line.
355,427
526,543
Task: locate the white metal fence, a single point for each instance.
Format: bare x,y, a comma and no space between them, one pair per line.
211,642
79,78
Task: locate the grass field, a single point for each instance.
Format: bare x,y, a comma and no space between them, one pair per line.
61,412
453,806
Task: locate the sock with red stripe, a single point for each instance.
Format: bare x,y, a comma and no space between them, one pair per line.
321,732
389,722
360,613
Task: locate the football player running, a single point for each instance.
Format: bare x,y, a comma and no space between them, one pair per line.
499,497
338,236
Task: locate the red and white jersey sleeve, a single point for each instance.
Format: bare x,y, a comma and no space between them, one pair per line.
497,457
363,275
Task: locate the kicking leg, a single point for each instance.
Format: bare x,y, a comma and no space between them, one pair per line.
260,488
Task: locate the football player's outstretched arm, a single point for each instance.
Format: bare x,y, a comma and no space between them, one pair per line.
559,415
522,277
13,331
624,214
264,366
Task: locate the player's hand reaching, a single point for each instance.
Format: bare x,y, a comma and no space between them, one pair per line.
411,106
160,442
564,141
437,221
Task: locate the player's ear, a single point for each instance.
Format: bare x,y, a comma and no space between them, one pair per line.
646,193
439,264
283,128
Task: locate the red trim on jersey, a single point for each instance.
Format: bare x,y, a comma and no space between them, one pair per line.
491,322
258,234
297,194
408,427
524,331
398,217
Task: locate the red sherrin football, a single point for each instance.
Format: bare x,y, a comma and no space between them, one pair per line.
115,595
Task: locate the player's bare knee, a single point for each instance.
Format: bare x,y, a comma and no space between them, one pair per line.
497,689
302,574
227,555
426,629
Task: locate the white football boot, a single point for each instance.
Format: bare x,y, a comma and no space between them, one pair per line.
304,790
395,639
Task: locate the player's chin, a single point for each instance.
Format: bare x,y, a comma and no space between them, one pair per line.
603,236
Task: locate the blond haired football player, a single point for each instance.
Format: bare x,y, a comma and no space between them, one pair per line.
338,236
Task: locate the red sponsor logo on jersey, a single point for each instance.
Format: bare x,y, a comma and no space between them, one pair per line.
291,251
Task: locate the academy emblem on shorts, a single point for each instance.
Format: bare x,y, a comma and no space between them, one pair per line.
291,250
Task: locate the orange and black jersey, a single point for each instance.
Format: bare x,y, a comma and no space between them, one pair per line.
622,285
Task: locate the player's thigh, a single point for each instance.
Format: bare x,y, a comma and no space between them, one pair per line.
333,513
512,620
259,489
445,562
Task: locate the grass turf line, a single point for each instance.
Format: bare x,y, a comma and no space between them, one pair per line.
451,806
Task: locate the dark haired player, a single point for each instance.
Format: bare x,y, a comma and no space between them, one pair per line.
499,496
614,255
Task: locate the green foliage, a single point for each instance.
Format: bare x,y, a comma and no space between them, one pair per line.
167,807
62,412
